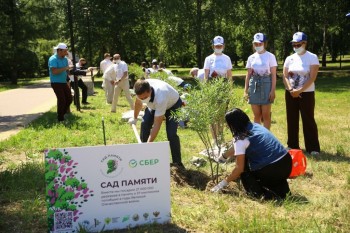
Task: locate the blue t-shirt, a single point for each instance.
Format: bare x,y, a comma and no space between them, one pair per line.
57,62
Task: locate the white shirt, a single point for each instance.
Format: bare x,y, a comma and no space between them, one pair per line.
176,80
165,96
168,72
115,71
122,67
105,64
261,63
240,146
200,75
299,69
218,63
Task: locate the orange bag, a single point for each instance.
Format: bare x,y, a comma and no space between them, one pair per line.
298,163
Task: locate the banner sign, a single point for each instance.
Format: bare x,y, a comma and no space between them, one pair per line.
107,187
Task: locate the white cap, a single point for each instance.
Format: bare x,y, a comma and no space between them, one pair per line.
218,40
259,38
61,46
299,36
154,60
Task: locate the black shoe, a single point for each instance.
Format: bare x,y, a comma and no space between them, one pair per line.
85,102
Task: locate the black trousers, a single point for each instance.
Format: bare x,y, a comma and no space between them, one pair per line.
64,99
306,106
83,88
171,130
269,182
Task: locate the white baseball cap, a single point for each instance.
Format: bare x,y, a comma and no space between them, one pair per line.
218,40
61,46
299,36
154,60
259,38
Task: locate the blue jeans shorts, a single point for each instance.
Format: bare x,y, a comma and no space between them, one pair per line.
259,90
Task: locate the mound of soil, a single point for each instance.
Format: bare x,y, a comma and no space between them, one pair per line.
199,180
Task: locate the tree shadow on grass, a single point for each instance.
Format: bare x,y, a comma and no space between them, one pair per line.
48,120
338,158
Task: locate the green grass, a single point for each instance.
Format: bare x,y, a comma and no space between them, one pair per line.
4,86
320,200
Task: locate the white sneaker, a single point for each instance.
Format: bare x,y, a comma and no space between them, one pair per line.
314,153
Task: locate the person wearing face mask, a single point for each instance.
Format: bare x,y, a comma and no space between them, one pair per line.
260,81
117,75
299,75
217,65
161,99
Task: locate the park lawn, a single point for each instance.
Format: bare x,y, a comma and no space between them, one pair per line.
319,203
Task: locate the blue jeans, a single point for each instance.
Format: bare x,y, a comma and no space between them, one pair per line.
171,130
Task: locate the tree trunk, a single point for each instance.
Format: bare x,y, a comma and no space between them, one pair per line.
324,46
198,34
13,63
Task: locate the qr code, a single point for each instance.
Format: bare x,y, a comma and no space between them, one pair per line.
64,220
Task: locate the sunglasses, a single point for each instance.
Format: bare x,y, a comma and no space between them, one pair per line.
297,45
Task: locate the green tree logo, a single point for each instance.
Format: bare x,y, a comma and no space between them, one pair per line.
111,165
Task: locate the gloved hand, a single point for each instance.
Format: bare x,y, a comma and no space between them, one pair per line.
219,186
132,121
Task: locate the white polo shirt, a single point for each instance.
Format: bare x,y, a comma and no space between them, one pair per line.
165,96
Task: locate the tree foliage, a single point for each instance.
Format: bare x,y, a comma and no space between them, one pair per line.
176,32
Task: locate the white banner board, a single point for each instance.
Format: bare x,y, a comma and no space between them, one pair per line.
107,187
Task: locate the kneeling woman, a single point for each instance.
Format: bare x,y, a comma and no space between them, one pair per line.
262,163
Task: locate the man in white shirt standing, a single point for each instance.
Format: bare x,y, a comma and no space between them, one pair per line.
161,100
107,86
121,83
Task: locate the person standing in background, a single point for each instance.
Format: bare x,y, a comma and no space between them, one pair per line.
217,65
58,72
121,82
299,75
107,86
260,81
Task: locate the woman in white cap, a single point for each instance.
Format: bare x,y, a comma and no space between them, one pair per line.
299,75
260,82
217,65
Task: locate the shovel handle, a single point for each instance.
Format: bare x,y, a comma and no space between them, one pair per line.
136,133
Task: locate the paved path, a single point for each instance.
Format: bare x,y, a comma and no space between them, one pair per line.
20,106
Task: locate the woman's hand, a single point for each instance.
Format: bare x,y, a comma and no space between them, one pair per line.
219,186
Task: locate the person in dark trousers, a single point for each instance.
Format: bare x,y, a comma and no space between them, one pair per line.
81,67
299,75
262,162
58,71
161,100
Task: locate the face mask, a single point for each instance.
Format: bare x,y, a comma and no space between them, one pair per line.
259,48
145,101
299,50
218,51
117,61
